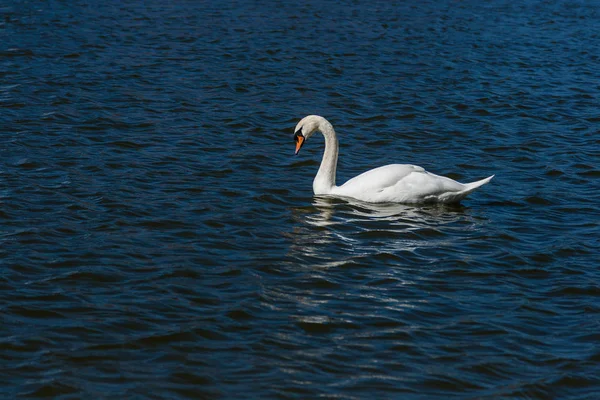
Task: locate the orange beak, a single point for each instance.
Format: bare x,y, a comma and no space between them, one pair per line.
299,139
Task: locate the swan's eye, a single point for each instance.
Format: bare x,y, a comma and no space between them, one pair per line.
297,135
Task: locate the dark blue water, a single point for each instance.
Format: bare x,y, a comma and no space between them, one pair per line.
158,239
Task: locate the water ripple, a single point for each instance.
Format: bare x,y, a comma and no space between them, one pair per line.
159,239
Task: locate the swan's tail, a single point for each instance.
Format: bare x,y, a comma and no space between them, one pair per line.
456,197
469,187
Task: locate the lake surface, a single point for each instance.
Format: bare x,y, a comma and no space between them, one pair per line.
159,239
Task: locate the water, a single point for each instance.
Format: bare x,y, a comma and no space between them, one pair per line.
158,239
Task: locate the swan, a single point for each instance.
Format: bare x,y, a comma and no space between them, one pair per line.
394,183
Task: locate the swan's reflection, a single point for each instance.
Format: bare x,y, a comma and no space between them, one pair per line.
339,229
343,241
386,211
350,210
314,232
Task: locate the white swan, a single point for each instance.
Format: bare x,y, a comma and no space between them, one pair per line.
395,183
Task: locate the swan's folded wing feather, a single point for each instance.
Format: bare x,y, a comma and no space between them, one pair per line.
405,183
399,183
378,179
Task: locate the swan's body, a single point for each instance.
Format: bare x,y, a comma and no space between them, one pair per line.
395,183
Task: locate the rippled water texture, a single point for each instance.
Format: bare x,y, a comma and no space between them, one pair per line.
158,239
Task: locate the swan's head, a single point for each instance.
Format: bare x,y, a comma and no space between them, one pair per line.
306,128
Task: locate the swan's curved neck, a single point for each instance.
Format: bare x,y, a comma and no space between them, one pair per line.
325,180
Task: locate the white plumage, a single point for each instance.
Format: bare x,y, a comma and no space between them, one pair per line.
395,183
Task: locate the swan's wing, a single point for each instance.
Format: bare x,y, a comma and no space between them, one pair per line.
423,186
377,179
398,183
